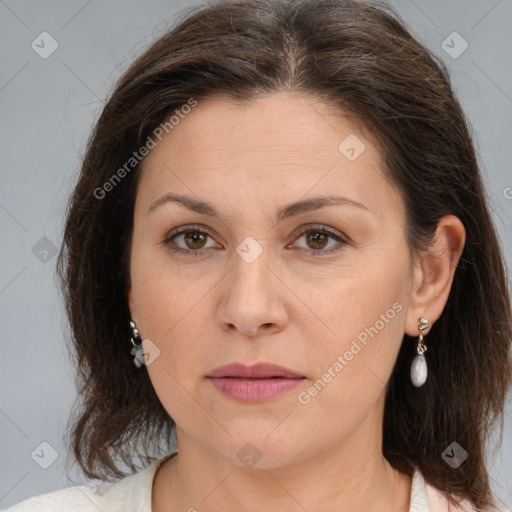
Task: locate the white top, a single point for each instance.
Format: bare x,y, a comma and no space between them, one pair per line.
133,493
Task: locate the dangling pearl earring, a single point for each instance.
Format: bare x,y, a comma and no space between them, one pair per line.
137,347
419,364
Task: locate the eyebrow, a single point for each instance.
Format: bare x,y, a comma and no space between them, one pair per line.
286,212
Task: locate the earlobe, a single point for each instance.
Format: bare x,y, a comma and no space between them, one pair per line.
433,275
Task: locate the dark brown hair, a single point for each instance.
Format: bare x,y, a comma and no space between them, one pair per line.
361,58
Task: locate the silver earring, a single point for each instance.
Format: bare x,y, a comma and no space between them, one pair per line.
419,368
137,345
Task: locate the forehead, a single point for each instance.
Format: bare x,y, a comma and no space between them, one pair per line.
268,123
273,145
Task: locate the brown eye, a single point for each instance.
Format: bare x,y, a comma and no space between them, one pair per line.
317,240
188,240
194,239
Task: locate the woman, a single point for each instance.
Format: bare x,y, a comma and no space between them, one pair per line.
281,221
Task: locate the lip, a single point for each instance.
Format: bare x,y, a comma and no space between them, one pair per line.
254,384
257,371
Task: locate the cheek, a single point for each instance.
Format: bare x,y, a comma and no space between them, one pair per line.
350,378
164,300
365,314
364,350
173,315
370,294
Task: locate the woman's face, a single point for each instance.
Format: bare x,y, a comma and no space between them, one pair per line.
330,303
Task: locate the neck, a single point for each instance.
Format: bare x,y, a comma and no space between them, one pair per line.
351,476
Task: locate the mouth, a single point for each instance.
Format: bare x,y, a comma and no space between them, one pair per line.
258,371
254,384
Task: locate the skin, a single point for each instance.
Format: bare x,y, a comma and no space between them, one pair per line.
287,307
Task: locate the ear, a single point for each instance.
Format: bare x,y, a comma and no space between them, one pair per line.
433,274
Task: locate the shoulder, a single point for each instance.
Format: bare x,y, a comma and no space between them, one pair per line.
79,497
130,493
438,502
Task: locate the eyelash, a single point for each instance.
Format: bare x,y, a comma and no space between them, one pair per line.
306,229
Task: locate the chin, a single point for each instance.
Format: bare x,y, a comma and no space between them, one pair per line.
259,450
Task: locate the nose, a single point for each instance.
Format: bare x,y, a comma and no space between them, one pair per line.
252,298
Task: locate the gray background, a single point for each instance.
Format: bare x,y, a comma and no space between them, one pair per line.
47,110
